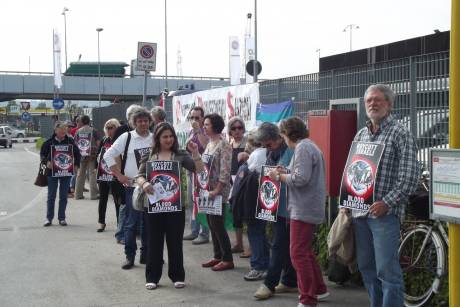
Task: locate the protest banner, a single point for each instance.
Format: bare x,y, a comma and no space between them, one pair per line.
268,196
103,171
83,141
62,161
164,176
240,100
204,203
358,179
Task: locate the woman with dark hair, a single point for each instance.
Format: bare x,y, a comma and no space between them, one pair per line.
236,130
219,152
306,201
169,225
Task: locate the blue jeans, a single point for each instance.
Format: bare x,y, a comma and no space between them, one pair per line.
133,219
280,266
120,233
259,245
52,191
194,225
377,242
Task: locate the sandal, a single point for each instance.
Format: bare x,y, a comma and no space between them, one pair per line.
151,286
179,284
237,249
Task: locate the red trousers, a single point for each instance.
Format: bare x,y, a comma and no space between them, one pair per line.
309,276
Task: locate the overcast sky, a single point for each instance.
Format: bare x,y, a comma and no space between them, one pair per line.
289,31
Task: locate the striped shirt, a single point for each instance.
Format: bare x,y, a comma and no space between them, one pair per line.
398,172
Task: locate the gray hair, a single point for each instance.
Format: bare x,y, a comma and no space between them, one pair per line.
158,112
138,113
233,121
60,124
384,89
267,132
111,122
130,110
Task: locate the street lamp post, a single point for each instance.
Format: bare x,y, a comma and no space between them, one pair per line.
166,47
351,26
99,63
65,33
319,56
255,43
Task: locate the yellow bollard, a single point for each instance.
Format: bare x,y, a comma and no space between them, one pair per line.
454,142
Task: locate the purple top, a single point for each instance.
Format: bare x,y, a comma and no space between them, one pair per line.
194,138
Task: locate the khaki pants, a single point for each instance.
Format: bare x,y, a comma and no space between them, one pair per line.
90,165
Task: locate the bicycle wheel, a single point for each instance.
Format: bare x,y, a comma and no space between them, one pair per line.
422,265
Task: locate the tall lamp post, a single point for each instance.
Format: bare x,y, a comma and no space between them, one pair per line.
319,56
99,63
351,27
166,47
255,42
65,33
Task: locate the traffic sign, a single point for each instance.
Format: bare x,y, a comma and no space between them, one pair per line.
26,116
146,56
58,103
25,105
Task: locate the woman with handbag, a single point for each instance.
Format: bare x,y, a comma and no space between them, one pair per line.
161,225
59,137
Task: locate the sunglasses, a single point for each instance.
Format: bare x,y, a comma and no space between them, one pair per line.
195,118
236,128
110,127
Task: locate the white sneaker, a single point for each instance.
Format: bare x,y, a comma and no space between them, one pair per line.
302,305
179,284
322,296
151,286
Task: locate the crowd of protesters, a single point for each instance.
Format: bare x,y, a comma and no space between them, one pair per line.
285,262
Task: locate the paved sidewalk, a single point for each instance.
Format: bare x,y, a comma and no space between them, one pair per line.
75,266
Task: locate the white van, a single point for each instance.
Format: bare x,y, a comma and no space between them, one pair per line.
5,136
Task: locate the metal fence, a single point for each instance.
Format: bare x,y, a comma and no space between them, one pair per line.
420,82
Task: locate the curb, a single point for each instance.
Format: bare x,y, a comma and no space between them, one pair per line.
24,140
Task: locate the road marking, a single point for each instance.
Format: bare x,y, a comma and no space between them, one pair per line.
33,202
31,152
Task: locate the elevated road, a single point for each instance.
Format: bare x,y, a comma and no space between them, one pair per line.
22,85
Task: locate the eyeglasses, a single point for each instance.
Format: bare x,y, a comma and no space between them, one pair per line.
110,127
195,117
236,128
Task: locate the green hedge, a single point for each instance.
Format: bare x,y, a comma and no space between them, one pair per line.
39,143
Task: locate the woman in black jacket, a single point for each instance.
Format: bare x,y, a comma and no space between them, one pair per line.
105,178
60,168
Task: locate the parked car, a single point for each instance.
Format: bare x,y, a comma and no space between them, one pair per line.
17,133
5,137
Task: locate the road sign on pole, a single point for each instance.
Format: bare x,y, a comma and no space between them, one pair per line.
58,103
146,56
25,105
25,116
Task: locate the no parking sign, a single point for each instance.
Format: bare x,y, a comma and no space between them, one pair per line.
146,56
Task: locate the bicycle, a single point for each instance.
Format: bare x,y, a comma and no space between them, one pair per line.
422,251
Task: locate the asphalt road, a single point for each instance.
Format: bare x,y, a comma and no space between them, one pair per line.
75,266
